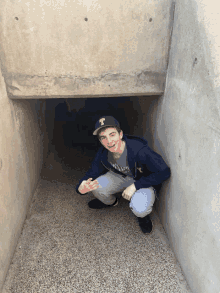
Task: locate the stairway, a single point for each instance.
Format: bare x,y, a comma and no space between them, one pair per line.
67,247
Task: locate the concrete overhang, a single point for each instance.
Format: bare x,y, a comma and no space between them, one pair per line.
84,48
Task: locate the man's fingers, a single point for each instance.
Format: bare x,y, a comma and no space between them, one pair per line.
126,195
95,186
95,181
92,185
89,181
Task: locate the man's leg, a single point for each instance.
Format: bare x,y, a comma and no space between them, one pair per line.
141,205
142,202
110,183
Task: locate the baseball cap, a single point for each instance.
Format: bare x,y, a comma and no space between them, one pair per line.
105,121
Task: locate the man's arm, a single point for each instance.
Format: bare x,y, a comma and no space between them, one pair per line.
155,164
129,191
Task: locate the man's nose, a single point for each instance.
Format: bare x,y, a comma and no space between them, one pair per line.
109,140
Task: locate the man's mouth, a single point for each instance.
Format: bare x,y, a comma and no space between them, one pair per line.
111,146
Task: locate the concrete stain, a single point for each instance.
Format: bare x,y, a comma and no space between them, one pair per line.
156,78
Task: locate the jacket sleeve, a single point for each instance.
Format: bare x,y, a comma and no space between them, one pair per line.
95,170
154,164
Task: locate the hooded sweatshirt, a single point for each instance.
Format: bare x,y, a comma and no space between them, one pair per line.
147,167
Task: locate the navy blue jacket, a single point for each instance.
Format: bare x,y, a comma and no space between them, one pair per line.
148,168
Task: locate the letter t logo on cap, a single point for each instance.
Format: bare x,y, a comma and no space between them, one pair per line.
102,121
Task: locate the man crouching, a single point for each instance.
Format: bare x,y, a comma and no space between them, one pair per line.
124,164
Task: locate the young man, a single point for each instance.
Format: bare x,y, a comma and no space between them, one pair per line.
124,164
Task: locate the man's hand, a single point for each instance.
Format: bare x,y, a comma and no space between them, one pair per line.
88,185
129,191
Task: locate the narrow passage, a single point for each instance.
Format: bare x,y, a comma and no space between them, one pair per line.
67,247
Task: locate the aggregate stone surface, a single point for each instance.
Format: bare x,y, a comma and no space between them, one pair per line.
67,247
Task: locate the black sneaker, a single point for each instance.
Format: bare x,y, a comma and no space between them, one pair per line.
97,204
145,224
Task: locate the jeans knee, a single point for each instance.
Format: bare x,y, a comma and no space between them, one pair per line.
103,182
141,213
142,202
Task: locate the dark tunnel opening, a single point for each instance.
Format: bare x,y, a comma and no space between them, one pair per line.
70,122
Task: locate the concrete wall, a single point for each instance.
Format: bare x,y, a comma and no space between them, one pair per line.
146,117
74,48
187,134
81,48
22,133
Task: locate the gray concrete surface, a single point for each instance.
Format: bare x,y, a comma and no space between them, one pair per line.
22,132
186,131
67,247
75,48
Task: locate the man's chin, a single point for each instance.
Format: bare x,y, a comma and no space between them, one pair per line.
112,149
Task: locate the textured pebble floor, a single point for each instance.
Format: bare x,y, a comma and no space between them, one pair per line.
67,247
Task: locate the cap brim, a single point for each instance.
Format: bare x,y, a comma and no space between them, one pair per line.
96,131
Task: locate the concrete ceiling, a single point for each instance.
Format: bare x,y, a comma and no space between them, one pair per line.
84,48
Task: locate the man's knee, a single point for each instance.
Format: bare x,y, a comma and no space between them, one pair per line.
109,184
142,202
104,192
141,213
104,186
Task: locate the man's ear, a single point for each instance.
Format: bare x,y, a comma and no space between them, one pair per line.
121,134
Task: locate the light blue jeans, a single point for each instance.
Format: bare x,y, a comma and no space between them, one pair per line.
141,202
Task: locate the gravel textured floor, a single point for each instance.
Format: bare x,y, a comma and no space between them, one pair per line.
67,247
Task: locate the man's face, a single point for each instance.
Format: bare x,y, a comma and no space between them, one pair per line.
111,139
